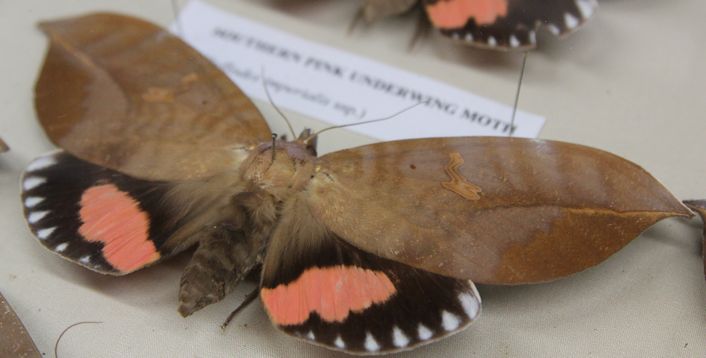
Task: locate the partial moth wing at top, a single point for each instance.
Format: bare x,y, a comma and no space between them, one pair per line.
699,206
492,210
125,94
493,24
506,24
3,146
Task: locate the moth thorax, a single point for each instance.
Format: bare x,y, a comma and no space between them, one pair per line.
282,174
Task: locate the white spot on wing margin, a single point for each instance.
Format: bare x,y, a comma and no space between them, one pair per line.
32,201
570,20
370,343
470,305
61,247
514,42
553,29
339,342
532,37
399,339
43,234
423,332
35,216
33,182
492,41
449,321
586,7
41,163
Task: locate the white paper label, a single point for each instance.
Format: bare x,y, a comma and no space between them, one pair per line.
338,87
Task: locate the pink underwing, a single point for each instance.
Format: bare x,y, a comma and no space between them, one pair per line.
368,250
491,24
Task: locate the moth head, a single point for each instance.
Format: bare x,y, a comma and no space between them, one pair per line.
280,167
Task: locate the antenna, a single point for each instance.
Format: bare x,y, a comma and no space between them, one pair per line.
517,94
274,144
269,98
175,11
358,123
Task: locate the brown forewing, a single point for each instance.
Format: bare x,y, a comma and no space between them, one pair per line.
123,93
3,146
517,211
699,206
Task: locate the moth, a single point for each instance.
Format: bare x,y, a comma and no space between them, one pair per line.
3,146
368,250
492,24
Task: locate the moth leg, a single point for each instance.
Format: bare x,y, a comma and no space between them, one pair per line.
374,10
252,296
356,20
422,30
224,257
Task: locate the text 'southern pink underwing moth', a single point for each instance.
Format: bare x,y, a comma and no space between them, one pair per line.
492,24
367,250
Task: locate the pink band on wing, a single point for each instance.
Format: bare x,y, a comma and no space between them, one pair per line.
451,14
113,217
332,292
